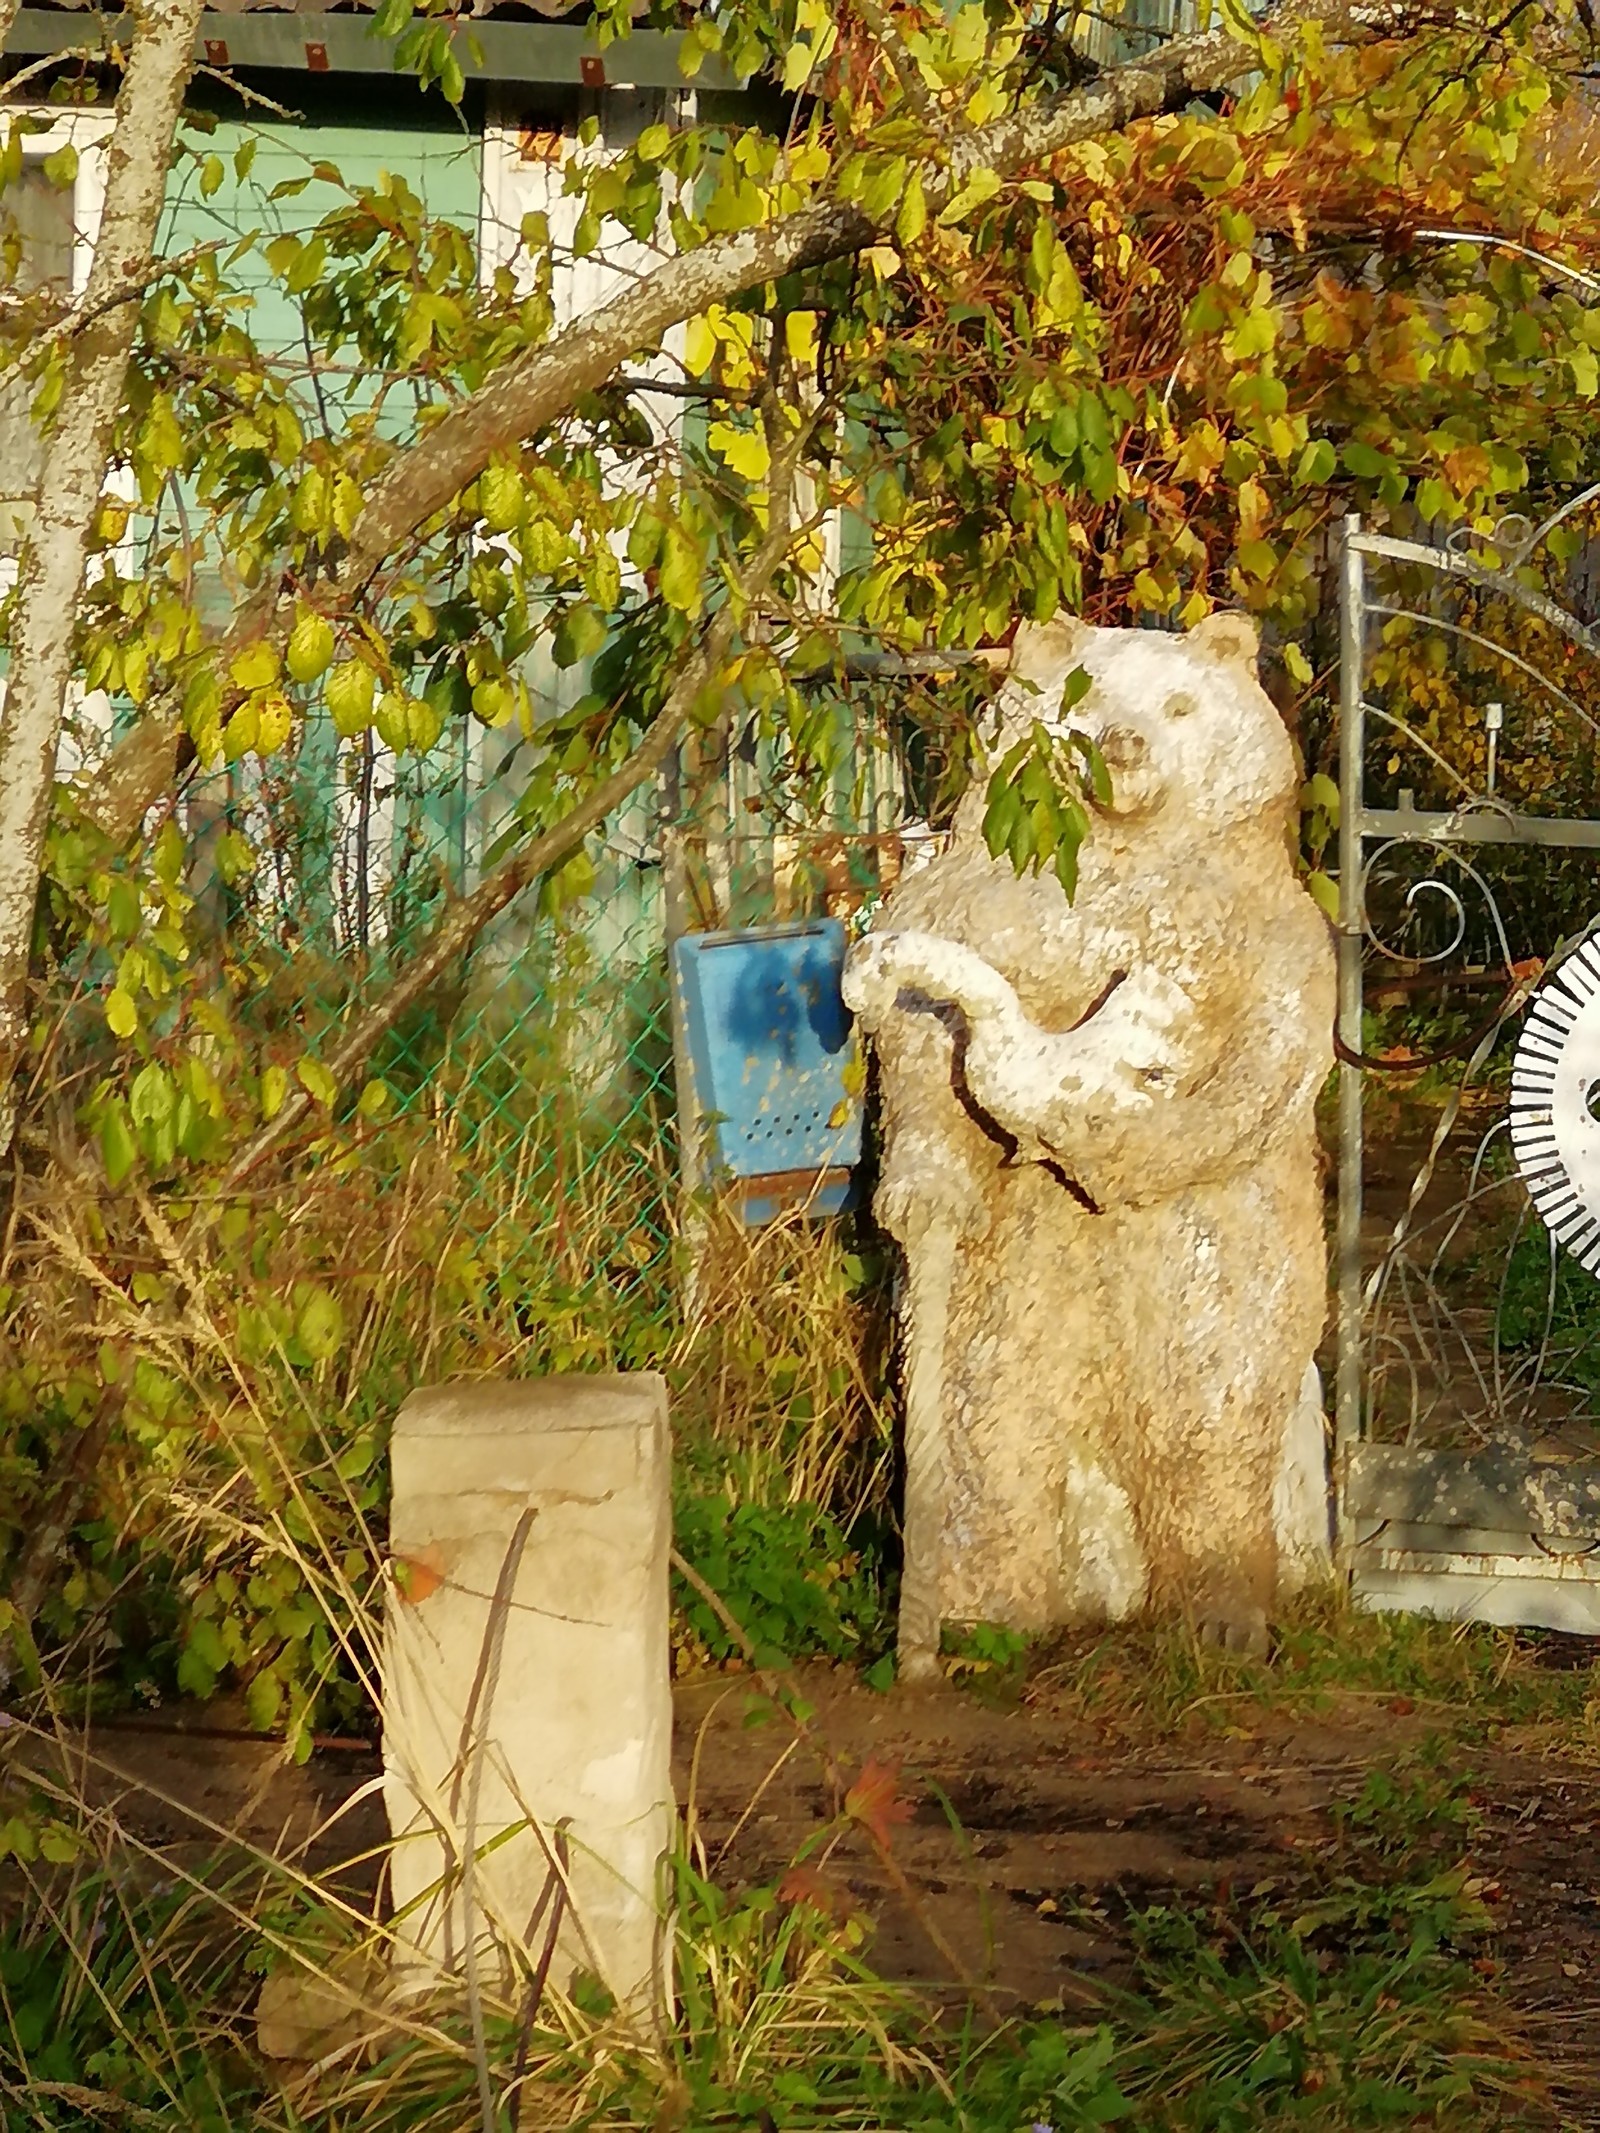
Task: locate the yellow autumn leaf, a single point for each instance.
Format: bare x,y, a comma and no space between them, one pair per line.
274,1088
800,337
743,450
809,553
798,62
699,345
256,666
274,722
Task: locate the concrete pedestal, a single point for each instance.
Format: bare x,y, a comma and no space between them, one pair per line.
527,1682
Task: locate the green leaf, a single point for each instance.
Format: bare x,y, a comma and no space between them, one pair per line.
579,634
235,857
981,186
204,1657
375,1099
315,1079
319,1325
500,497
679,577
117,1149
122,1016
152,1097
356,1458
1259,558
1324,893
212,174
58,1844
263,1700
1365,461
1318,463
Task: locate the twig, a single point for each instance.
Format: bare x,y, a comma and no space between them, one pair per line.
906,71
36,67
76,316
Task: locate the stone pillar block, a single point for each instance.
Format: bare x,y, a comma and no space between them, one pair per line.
527,1680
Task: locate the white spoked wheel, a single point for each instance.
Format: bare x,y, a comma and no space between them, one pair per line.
1555,1105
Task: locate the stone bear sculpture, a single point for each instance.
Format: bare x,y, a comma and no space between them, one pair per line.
1099,1158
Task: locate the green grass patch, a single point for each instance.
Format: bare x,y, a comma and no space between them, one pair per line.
1471,1682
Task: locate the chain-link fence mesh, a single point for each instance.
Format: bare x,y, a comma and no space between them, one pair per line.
548,1050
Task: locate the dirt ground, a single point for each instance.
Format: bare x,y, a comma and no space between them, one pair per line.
1030,1836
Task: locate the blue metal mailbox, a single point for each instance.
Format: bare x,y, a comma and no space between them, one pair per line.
770,1041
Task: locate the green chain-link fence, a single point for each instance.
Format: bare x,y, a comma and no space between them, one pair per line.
547,1056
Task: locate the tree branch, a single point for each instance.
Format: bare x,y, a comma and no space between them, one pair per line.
907,73
8,16
70,318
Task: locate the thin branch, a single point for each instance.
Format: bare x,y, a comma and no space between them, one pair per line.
23,75
907,73
74,317
681,389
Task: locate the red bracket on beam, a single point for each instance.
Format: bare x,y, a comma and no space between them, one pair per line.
317,58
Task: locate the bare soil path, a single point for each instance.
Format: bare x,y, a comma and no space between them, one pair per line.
1031,1833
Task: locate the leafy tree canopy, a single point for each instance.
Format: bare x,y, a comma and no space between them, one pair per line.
1054,333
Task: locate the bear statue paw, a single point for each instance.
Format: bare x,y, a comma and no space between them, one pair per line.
939,1195
1235,1626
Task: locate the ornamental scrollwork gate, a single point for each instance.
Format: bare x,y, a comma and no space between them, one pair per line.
1467,1405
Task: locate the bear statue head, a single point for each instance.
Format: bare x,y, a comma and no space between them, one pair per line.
1183,723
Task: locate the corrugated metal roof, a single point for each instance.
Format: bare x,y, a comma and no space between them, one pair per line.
530,42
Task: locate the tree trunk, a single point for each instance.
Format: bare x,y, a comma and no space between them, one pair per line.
77,449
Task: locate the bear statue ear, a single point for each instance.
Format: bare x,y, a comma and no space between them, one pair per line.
1047,651
1228,634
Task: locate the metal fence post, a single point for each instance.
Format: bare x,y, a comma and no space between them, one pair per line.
1352,663
676,922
